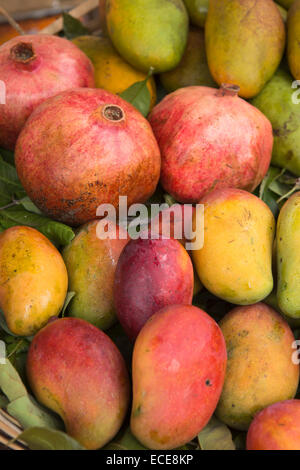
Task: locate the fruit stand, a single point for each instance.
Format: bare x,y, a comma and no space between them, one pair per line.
149,226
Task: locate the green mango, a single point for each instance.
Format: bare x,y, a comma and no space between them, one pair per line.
272,301
293,47
285,3
193,68
288,257
197,10
245,42
148,33
278,101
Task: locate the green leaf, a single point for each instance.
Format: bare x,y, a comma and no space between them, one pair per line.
9,180
21,406
29,205
57,232
73,27
68,299
16,346
139,96
124,441
39,438
29,413
10,382
8,156
215,436
271,175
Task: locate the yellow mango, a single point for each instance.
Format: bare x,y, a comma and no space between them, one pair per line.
293,48
260,370
288,257
112,73
245,42
235,262
33,280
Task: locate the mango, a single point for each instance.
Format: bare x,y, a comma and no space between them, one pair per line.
277,427
148,33
150,275
260,370
288,257
112,73
193,68
197,10
276,102
249,46
33,280
91,263
272,301
178,369
76,370
235,262
293,46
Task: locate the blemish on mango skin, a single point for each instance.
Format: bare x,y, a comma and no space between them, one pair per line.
137,411
154,435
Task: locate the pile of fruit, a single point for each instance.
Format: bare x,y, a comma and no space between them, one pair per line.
142,342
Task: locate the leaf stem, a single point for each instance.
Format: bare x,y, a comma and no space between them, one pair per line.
15,202
15,349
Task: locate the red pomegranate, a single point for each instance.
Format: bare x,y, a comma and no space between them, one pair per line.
33,68
83,148
210,139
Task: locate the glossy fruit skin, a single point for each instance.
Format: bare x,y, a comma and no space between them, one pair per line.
192,69
276,427
150,275
293,47
260,370
210,139
248,48
71,156
277,104
148,33
91,263
77,371
33,280
235,262
178,370
197,10
288,243
112,73
58,65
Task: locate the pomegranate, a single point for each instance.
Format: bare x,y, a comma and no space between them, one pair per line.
33,68
86,147
210,139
